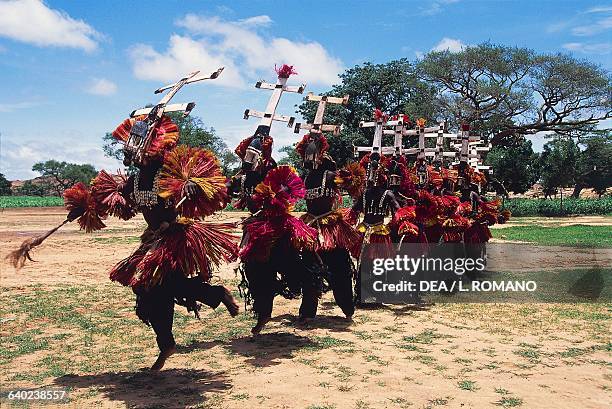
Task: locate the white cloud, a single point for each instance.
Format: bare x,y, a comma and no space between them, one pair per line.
596,27
597,48
256,21
599,9
33,22
11,107
102,86
419,54
16,159
247,55
450,44
436,7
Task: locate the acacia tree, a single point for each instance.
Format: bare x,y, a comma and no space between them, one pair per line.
62,175
509,92
558,165
515,167
594,166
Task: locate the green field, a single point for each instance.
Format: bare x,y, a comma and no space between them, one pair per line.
555,208
30,201
576,235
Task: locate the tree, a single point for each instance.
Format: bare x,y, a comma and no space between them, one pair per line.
558,165
392,87
193,132
594,167
62,175
509,92
515,166
30,188
292,158
5,186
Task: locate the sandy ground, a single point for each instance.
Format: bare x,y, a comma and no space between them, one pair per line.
450,355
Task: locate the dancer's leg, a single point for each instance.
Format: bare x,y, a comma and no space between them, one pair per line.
262,284
309,266
341,271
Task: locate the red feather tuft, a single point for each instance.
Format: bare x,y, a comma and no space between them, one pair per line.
186,164
261,235
122,132
165,137
285,71
351,178
380,115
240,150
280,190
300,148
80,204
107,192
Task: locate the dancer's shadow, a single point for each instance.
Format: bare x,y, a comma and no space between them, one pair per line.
268,349
197,346
164,389
334,323
409,309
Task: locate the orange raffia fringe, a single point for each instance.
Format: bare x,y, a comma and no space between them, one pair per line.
188,246
351,178
187,164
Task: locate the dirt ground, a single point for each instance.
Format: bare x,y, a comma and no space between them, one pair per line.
65,325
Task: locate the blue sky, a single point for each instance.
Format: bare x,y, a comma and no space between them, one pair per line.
72,70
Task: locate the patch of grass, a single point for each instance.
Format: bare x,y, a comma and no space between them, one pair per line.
467,385
439,401
424,359
577,235
345,373
533,355
425,337
345,388
325,342
463,361
240,396
117,240
509,402
502,391
574,352
21,344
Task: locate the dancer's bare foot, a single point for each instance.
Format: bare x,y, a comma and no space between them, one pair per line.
261,323
230,302
161,359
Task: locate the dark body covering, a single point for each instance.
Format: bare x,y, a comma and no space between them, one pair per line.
321,196
155,304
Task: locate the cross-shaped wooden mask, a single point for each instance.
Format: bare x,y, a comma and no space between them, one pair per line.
380,122
470,149
163,107
269,114
317,126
